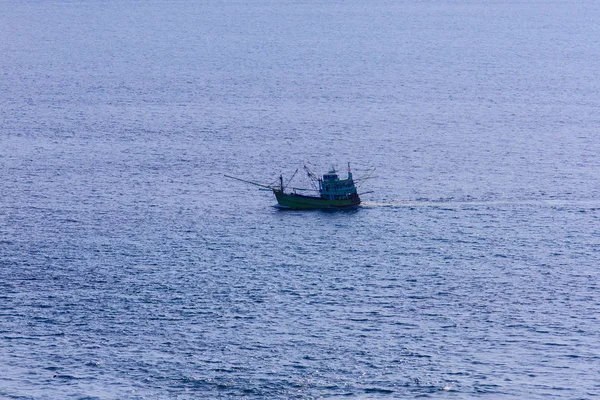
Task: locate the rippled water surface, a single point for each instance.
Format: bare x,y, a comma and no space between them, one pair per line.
130,268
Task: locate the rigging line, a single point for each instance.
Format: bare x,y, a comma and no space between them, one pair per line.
365,178
291,178
312,177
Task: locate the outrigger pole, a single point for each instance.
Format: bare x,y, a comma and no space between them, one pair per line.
261,185
250,182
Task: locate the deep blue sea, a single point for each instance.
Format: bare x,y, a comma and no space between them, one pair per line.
131,268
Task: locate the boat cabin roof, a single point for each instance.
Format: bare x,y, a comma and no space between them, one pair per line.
330,177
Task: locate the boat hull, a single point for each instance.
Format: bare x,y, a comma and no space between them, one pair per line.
300,202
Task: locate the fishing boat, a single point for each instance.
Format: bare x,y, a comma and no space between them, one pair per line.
332,192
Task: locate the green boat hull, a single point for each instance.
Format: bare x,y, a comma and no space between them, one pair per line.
300,202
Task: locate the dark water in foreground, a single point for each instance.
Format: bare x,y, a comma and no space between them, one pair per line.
131,269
